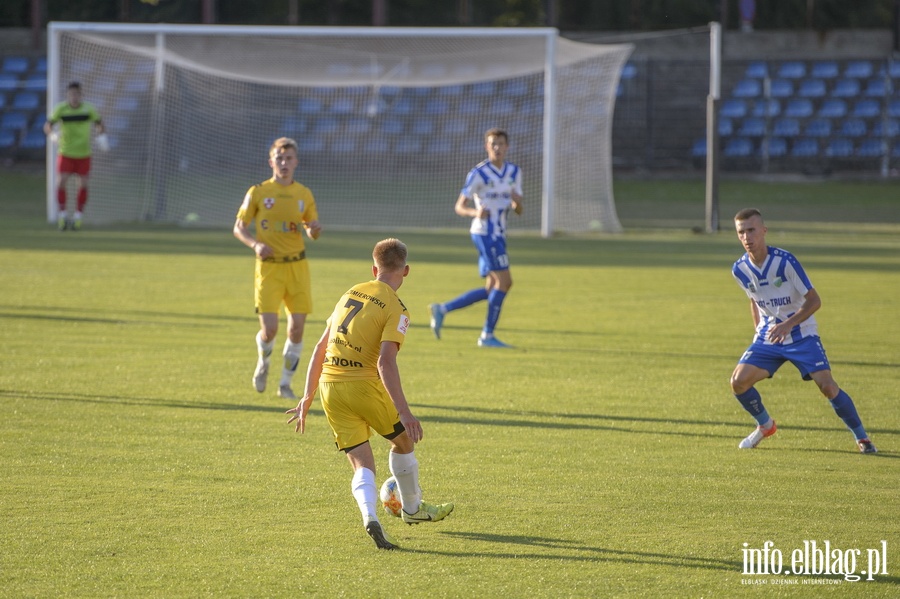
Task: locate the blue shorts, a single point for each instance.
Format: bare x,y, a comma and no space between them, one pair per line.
491,254
807,355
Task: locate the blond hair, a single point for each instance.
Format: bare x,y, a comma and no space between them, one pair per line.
390,255
281,144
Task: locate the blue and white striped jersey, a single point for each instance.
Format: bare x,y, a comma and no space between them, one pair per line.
778,288
492,188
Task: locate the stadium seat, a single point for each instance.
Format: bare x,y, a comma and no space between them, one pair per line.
781,88
126,104
805,148
36,82
311,144
777,147
891,128
393,126
34,140
358,126
456,126
824,69
839,148
792,70
892,69
757,70
747,88
786,127
291,126
753,127
770,108
82,67
858,69
437,106
7,139
378,146
698,149
115,66
799,108
439,146
401,106
502,107
13,121
818,128
136,85
895,153
866,109
515,88
143,67
309,106
26,101
853,127
846,88
2,101
870,148
739,147
408,145
470,106
876,88
40,65
532,107
9,81
894,108
342,106
117,122
812,88
15,64
733,108
450,90
726,127
422,126
104,85
484,88
629,71
344,145
833,109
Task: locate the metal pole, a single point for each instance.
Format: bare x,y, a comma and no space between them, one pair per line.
712,128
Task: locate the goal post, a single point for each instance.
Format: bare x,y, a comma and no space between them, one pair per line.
388,120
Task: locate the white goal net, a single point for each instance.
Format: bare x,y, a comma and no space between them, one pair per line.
388,120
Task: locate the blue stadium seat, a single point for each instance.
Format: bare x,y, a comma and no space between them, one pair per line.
781,88
786,127
532,107
818,128
36,82
116,122
870,148
81,67
26,101
379,146
437,106
15,64
422,126
439,146
853,127
739,147
408,145
13,121
40,65
799,108
839,148
456,126
805,148
2,101
503,107
833,109
401,106
629,71
891,128
115,66
876,88
342,106
893,69
866,109
309,106
770,108
126,104
812,88
824,69
291,126
846,88
515,88
484,88
34,140
733,108
344,145
450,90
470,106
136,85
747,88
859,69
7,139
311,144
894,108
698,149
777,147
895,153
326,125
756,70
792,70
9,81
726,127
393,126
753,127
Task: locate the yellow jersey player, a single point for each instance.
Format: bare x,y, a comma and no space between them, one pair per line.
354,367
281,209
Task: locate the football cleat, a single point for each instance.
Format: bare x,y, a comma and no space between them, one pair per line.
756,436
437,319
286,392
427,513
75,225
260,375
491,342
61,223
382,540
866,446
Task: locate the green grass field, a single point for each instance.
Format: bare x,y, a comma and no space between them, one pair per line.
599,458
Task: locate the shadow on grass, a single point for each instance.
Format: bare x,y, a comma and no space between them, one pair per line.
69,314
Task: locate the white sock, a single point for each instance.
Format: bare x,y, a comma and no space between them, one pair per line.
291,360
365,493
263,349
405,468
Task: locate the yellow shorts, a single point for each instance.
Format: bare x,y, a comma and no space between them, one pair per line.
352,407
277,282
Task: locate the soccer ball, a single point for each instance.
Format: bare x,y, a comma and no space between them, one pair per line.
390,497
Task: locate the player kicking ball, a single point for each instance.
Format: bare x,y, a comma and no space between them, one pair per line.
782,303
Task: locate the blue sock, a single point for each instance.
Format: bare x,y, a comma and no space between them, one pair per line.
752,402
495,303
843,407
466,299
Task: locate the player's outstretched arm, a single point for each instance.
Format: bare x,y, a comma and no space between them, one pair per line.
313,373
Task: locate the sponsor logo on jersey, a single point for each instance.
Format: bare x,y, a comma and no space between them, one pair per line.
777,282
301,206
268,203
403,324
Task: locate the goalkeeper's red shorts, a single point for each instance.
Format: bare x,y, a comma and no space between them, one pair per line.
75,166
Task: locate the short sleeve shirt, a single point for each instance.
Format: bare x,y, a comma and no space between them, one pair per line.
279,212
75,128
